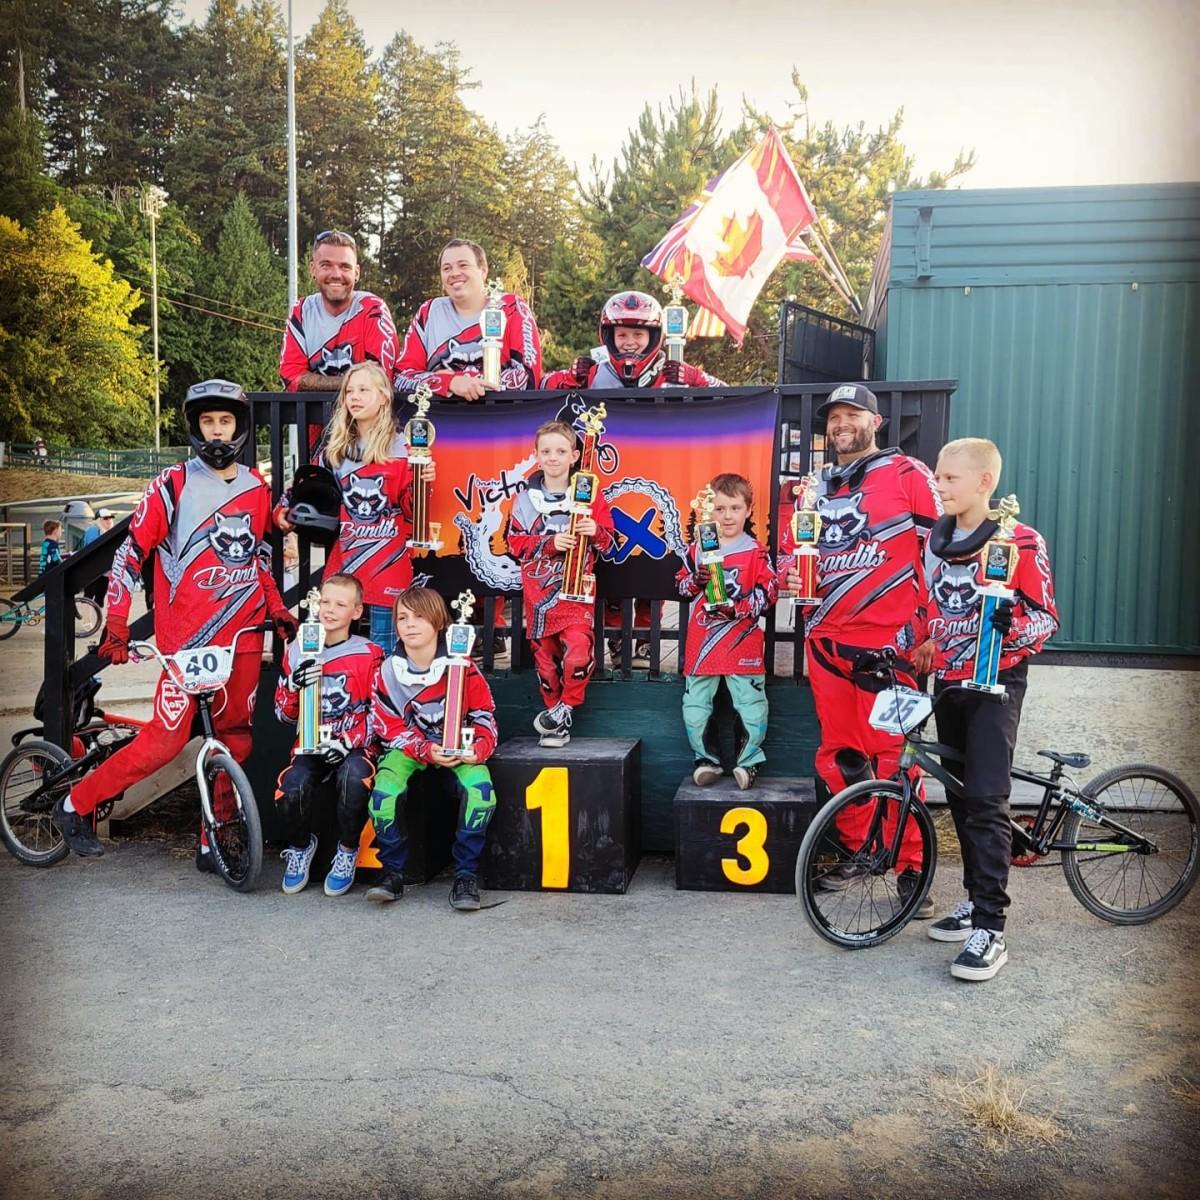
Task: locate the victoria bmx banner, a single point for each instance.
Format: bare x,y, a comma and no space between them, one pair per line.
651,460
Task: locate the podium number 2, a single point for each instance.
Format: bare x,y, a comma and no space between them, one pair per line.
550,792
750,846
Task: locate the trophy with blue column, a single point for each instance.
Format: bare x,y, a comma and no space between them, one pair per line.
311,637
997,567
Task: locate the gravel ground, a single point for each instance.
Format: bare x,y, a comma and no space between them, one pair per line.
168,1038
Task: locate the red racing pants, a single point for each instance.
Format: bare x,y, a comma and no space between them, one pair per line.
851,750
170,729
564,662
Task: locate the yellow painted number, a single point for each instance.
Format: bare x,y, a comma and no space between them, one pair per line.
551,793
750,846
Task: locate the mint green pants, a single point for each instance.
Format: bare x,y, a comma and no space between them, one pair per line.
749,696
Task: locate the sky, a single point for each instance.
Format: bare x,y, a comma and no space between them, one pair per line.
1046,93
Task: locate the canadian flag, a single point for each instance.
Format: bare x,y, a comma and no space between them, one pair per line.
745,222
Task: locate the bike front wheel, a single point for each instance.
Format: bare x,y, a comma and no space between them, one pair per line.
1109,875
27,799
88,617
846,873
234,830
10,619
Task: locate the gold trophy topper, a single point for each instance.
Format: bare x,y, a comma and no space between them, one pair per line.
593,419
464,606
674,291
702,502
1005,515
422,398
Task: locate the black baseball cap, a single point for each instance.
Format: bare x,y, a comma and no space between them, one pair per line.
857,395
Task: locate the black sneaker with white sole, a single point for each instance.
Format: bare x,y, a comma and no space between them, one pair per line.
77,831
745,777
559,735
464,894
838,878
955,926
982,956
705,772
907,882
390,887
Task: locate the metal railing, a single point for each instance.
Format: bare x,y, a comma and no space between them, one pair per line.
917,415
817,347
16,551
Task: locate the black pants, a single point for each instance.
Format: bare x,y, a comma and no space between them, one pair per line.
97,590
985,731
309,782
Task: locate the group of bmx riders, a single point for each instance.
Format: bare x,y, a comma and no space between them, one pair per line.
896,569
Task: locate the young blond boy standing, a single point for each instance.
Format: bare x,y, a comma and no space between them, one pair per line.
978,724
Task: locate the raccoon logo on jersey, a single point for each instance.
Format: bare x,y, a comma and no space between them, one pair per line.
955,590
335,697
363,498
232,538
336,360
842,521
459,355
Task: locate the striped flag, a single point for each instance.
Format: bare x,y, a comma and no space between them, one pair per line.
745,222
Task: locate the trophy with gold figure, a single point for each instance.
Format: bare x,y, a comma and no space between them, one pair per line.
311,639
709,555
578,583
675,323
491,331
997,566
458,736
419,434
806,533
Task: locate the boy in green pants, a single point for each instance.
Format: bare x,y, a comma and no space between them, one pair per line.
406,715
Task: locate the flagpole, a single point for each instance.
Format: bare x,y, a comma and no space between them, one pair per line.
293,221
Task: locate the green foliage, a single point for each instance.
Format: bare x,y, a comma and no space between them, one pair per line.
71,365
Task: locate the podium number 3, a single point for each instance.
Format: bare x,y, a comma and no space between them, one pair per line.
750,846
550,792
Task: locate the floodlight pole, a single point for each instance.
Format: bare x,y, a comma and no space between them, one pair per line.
151,202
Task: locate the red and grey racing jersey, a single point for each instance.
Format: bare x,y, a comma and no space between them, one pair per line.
348,673
876,514
212,563
601,375
409,706
536,516
442,343
952,616
716,643
314,340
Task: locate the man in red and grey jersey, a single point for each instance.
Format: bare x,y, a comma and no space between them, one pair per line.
444,346
876,507
205,521
337,326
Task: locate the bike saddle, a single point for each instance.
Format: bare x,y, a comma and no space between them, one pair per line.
1075,761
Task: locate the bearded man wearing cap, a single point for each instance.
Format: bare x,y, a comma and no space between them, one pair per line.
876,508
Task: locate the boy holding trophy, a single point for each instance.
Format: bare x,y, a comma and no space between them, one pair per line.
556,526
325,690
730,579
432,707
990,609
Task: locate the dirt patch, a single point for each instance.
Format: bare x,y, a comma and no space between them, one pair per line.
20,484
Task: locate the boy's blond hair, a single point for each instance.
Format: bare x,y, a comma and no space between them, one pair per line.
561,428
426,603
982,454
347,581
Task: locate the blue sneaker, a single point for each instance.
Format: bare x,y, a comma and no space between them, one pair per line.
341,874
295,873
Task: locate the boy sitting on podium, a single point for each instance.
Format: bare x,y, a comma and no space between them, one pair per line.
980,725
561,631
408,716
340,772
724,640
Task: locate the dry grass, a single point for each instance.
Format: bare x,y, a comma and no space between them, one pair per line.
17,483
1182,1088
995,1104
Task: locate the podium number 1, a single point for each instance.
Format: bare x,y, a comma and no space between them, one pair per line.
750,846
550,792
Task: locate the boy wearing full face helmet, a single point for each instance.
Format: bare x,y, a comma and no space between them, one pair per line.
206,521
631,331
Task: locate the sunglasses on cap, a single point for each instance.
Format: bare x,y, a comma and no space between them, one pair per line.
336,236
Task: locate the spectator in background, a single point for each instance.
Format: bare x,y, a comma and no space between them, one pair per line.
98,588
51,554
41,456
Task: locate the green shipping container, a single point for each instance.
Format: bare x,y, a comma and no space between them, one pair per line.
1071,319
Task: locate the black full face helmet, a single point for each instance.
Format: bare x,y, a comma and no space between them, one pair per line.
216,395
316,505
